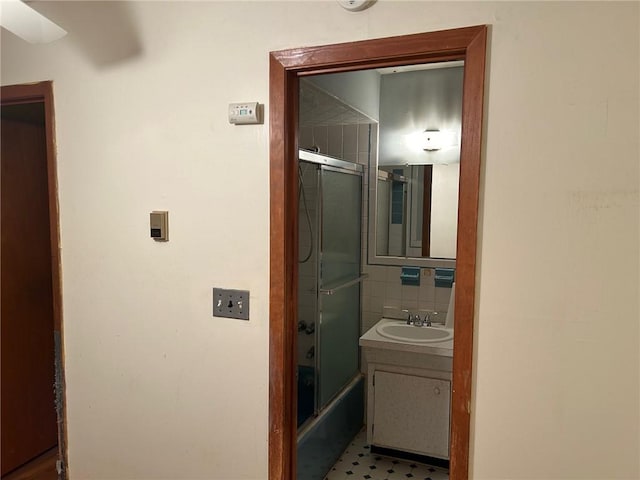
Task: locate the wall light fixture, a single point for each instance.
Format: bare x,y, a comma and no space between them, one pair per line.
438,139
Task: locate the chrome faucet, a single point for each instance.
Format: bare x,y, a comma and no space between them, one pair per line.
409,317
427,320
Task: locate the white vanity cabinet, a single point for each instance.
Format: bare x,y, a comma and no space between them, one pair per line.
408,393
410,412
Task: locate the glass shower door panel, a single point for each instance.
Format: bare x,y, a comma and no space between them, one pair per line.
338,341
341,212
340,264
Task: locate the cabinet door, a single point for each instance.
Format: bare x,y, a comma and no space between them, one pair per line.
411,413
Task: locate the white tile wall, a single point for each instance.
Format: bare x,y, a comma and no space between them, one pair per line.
305,137
347,142
350,140
384,294
321,138
335,145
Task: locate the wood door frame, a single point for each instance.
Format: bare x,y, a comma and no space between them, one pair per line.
427,192
42,92
286,66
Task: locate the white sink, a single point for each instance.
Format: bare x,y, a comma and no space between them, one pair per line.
410,333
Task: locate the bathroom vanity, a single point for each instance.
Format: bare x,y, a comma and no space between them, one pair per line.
408,387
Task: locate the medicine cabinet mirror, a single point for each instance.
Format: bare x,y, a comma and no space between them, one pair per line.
414,178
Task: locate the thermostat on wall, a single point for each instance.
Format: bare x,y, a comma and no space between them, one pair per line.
244,113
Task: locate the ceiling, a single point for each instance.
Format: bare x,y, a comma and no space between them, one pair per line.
319,108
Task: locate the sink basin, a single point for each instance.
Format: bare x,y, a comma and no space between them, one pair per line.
410,333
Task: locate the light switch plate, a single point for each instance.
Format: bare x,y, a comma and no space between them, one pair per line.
231,303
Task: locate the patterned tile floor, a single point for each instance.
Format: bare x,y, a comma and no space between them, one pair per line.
357,462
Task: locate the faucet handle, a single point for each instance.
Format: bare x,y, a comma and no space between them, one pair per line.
427,319
409,317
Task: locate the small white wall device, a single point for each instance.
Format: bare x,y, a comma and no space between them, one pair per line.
245,113
159,225
356,5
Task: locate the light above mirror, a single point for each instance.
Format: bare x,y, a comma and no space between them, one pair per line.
433,140
421,115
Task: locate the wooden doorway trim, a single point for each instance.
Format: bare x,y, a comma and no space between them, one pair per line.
42,92
286,67
427,193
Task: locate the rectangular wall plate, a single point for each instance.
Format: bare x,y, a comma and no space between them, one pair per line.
231,303
159,225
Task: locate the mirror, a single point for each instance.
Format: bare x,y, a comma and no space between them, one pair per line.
415,180
413,116
416,211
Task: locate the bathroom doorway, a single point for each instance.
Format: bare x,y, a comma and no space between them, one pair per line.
287,67
32,379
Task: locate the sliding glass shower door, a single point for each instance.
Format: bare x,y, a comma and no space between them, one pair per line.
330,211
339,300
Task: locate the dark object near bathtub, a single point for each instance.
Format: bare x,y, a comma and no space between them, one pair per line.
306,379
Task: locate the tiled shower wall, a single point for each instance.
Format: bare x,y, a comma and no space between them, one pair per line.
346,142
349,142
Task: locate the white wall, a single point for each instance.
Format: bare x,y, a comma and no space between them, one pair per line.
444,214
157,388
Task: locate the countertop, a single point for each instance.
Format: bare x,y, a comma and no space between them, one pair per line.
372,339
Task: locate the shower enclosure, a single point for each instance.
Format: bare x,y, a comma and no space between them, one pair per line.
330,386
